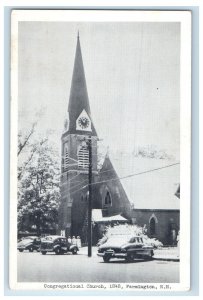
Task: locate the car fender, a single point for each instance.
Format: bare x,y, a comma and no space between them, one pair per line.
148,247
134,249
56,246
73,247
64,248
28,245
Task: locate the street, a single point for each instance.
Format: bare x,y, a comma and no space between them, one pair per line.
35,267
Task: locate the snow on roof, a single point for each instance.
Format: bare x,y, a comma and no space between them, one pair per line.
97,217
150,190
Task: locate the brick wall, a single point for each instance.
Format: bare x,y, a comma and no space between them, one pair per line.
167,222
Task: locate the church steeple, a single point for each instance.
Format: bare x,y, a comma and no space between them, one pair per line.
79,101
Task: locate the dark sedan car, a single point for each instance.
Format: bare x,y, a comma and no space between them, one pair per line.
58,245
125,247
29,243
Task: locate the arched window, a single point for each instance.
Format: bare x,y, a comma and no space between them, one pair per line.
152,226
84,198
83,157
107,199
87,197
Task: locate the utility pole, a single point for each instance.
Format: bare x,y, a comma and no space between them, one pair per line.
89,234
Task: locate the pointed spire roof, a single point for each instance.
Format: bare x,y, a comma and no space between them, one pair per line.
78,100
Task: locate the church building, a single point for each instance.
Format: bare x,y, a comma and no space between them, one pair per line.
109,198
113,201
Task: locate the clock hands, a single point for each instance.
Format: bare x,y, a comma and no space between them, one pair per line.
83,122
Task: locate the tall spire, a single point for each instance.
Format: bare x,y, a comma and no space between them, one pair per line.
78,100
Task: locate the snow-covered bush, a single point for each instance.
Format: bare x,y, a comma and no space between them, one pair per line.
152,242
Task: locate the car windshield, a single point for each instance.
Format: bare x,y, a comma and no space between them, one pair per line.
136,240
51,238
48,238
63,240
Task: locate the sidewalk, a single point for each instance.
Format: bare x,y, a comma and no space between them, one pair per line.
84,250
167,254
164,254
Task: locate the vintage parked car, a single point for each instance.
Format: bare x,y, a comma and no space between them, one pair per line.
30,243
57,244
126,247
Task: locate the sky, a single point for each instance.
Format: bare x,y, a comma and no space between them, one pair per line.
132,72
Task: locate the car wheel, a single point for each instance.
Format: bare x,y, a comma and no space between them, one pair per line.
57,251
44,252
74,251
150,257
31,249
130,257
106,258
20,250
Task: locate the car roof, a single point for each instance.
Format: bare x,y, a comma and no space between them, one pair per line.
54,236
125,235
57,236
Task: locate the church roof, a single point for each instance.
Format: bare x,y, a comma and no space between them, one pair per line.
148,190
97,217
78,100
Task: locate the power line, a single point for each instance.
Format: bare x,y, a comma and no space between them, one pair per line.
128,176
68,165
64,157
75,177
80,182
107,171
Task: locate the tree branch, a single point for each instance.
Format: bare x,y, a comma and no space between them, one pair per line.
21,146
34,149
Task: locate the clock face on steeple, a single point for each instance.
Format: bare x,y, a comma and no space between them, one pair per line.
83,122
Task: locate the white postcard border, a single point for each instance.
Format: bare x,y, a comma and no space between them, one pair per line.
185,145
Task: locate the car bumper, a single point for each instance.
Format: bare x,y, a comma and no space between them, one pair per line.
117,255
21,248
46,249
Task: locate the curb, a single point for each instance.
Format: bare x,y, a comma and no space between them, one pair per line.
154,258
166,259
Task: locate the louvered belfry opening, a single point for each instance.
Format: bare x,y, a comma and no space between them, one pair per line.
83,157
66,158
